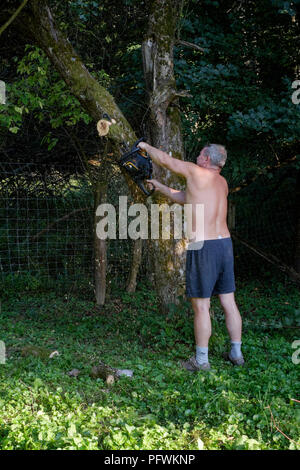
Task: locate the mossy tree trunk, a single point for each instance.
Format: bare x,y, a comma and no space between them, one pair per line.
168,256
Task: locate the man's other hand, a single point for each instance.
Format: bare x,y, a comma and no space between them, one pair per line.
155,184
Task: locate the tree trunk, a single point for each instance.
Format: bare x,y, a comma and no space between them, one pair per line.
168,257
100,249
135,264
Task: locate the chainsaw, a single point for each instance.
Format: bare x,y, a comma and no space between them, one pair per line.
138,165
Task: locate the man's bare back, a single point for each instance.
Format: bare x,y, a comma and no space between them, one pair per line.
209,188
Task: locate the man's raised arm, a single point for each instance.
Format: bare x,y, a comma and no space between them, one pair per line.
163,159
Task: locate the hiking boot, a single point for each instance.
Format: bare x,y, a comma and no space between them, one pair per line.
192,365
239,361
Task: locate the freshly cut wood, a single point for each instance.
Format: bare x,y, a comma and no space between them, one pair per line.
110,379
103,127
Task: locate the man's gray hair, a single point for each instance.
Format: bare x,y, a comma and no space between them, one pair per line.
216,153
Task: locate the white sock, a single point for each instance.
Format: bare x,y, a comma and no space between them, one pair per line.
235,351
201,355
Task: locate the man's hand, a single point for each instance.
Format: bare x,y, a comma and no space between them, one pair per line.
142,145
173,194
155,184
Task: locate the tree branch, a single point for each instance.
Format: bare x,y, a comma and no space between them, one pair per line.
277,428
190,45
38,22
271,259
11,19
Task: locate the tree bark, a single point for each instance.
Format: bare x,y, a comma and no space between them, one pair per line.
168,257
135,264
39,24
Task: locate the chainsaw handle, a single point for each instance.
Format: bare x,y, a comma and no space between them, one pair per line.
141,151
142,187
142,139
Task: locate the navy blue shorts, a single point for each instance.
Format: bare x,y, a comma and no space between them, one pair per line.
210,270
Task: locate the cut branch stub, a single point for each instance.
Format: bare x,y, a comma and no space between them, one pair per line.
103,126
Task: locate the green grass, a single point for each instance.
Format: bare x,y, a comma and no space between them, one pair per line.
162,406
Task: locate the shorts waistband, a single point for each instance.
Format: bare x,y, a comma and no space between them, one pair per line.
217,239
200,244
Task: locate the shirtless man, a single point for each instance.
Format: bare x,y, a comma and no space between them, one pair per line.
209,270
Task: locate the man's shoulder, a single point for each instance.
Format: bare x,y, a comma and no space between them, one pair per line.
198,170
205,177
198,177
201,172
224,182
223,178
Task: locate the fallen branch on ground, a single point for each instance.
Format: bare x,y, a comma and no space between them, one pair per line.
279,430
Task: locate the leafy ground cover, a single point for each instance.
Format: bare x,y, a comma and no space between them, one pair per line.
162,406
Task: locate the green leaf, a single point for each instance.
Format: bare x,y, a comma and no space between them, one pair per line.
14,129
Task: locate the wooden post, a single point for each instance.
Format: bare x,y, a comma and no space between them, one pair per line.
100,248
135,264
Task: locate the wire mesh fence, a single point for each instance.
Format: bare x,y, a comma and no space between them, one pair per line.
46,223
47,216
45,219
266,215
